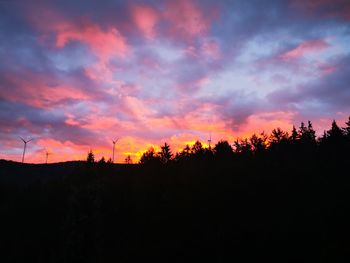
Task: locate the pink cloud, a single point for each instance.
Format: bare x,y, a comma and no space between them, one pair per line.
101,123
35,90
307,47
211,49
104,44
100,71
325,68
145,19
186,18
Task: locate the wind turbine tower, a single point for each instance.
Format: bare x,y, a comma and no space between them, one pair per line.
209,141
25,146
47,155
114,142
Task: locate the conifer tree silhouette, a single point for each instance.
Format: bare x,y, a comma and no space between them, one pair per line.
128,160
335,132
294,135
307,135
302,132
165,154
243,147
197,149
277,136
90,157
149,157
102,160
311,132
184,154
258,143
347,128
223,150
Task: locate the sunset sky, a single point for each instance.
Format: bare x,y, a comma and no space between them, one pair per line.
76,74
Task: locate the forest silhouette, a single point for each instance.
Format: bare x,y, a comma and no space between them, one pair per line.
283,196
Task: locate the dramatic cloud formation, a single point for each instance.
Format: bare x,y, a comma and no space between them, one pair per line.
76,74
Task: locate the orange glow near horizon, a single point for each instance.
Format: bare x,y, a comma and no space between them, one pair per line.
68,151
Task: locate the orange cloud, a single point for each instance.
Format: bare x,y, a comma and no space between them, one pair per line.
266,121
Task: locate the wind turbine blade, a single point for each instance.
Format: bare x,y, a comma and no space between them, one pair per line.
22,139
30,140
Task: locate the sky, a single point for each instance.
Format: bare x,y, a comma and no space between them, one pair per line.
74,75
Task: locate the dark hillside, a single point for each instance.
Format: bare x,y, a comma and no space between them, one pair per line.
288,200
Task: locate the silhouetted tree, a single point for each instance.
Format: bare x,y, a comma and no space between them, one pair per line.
302,131
258,143
264,138
186,151
335,132
334,137
149,157
90,157
311,132
347,128
102,160
184,154
278,144
294,135
333,144
223,150
323,138
165,154
208,154
243,147
277,136
197,149
307,135
128,160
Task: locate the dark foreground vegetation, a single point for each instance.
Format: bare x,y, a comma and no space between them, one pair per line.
283,197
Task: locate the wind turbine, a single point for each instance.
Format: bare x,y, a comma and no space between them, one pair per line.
209,141
25,146
114,142
47,155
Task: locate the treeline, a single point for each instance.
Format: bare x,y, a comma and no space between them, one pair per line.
297,145
283,196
